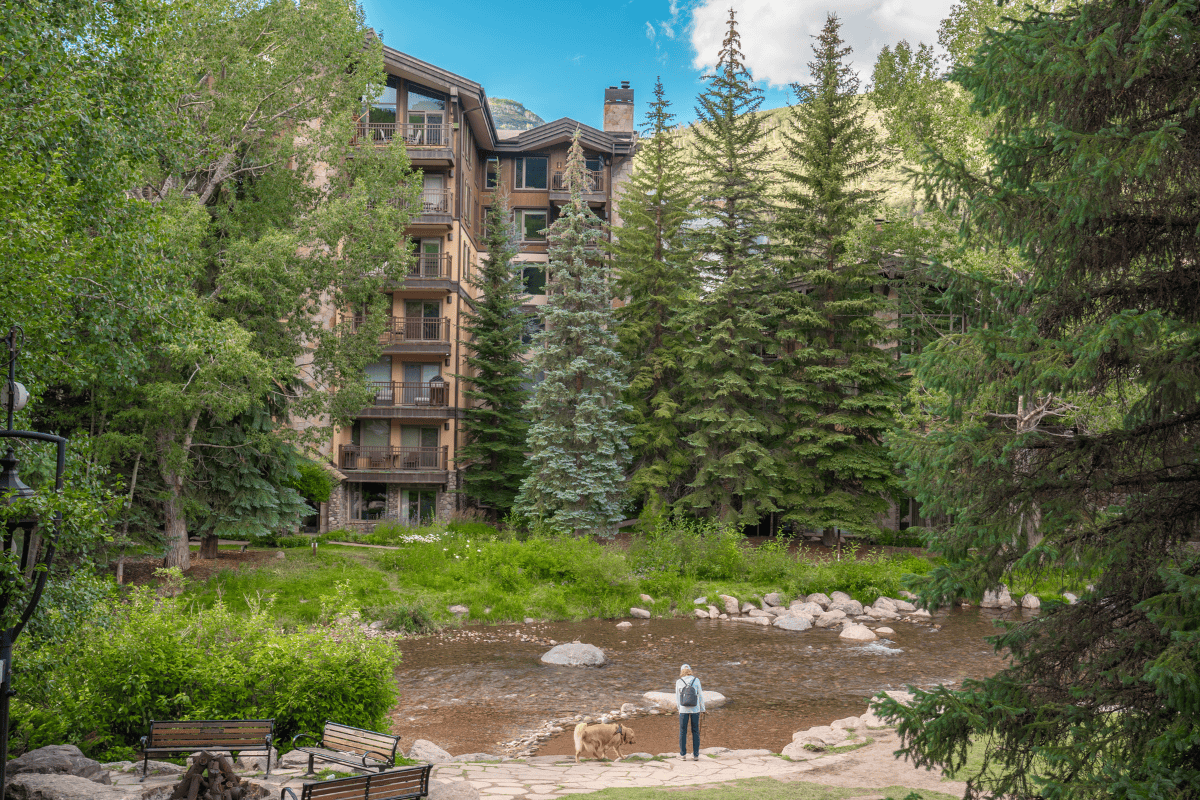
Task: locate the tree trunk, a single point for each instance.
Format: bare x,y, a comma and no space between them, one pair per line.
178,554
208,547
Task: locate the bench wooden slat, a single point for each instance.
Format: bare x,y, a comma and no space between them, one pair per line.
186,736
401,784
348,745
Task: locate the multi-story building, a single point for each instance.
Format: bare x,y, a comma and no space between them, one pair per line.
397,461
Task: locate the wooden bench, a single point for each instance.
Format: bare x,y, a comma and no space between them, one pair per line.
398,784
354,746
234,735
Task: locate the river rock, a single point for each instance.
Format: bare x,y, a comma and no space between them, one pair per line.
458,609
758,612
1031,601
575,654
748,607
839,597
1000,598
829,618
885,603
666,700
820,599
853,608
904,607
857,633
699,601
846,723
700,613
57,759
872,720
427,752
452,790
884,632
922,613
765,619
803,607
58,786
773,599
713,612
645,598
624,624
639,613
820,737
1071,598
793,622
294,759
880,613
731,604
796,752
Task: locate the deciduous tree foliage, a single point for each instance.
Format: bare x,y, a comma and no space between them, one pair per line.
1079,409
577,440
837,383
495,422
657,278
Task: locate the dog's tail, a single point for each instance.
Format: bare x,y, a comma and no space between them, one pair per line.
579,737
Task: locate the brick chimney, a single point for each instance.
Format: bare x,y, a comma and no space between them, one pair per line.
618,109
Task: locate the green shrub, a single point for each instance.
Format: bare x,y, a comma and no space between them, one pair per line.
696,549
405,618
473,530
160,659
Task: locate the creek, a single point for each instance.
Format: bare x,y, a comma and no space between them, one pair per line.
473,689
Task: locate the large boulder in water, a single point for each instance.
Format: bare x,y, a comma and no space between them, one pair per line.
575,654
857,633
793,622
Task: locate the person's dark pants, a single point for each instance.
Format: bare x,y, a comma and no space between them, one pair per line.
683,726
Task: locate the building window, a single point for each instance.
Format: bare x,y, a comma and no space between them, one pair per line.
532,225
530,172
368,500
426,119
493,173
533,326
533,277
418,506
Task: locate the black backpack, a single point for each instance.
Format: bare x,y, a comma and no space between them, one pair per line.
687,697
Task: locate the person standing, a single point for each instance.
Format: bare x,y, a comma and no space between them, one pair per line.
687,688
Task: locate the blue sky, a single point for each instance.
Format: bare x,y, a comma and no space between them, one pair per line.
557,57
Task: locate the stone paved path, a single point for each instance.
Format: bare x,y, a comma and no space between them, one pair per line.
553,777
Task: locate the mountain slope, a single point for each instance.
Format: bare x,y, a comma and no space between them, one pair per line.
510,115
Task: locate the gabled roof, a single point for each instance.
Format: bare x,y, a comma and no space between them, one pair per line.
470,94
560,131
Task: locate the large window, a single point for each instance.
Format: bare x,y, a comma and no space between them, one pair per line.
382,115
426,119
368,500
532,225
533,276
530,172
418,506
493,173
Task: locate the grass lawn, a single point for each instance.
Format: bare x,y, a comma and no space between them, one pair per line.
770,789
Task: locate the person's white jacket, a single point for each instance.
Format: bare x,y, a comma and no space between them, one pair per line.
685,681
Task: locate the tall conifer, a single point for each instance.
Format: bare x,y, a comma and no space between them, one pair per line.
656,276
494,421
841,386
577,440
728,387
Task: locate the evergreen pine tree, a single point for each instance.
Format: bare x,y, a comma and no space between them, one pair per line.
840,387
655,273
578,439
494,422
727,386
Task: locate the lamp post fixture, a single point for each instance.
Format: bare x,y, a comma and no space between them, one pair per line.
23,542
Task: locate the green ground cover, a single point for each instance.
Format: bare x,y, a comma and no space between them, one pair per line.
770,789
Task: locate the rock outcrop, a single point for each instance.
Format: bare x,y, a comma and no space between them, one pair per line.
575,654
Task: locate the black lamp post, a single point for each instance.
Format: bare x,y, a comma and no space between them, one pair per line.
23,539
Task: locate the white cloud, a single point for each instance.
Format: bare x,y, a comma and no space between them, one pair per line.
650,31
777,34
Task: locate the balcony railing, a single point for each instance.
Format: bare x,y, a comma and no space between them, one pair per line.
368,457
593,183
410,393
415,135
434,201
411,330
430,265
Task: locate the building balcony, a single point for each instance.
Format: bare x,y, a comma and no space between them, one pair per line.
593,190
412,334
385,464
409,400
427,145
434,207
429,271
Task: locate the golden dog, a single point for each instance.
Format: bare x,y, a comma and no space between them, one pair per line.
593,741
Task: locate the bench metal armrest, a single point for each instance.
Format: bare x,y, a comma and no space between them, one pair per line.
286,791
312,736
143,741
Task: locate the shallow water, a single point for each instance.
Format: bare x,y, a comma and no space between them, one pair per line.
473,689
